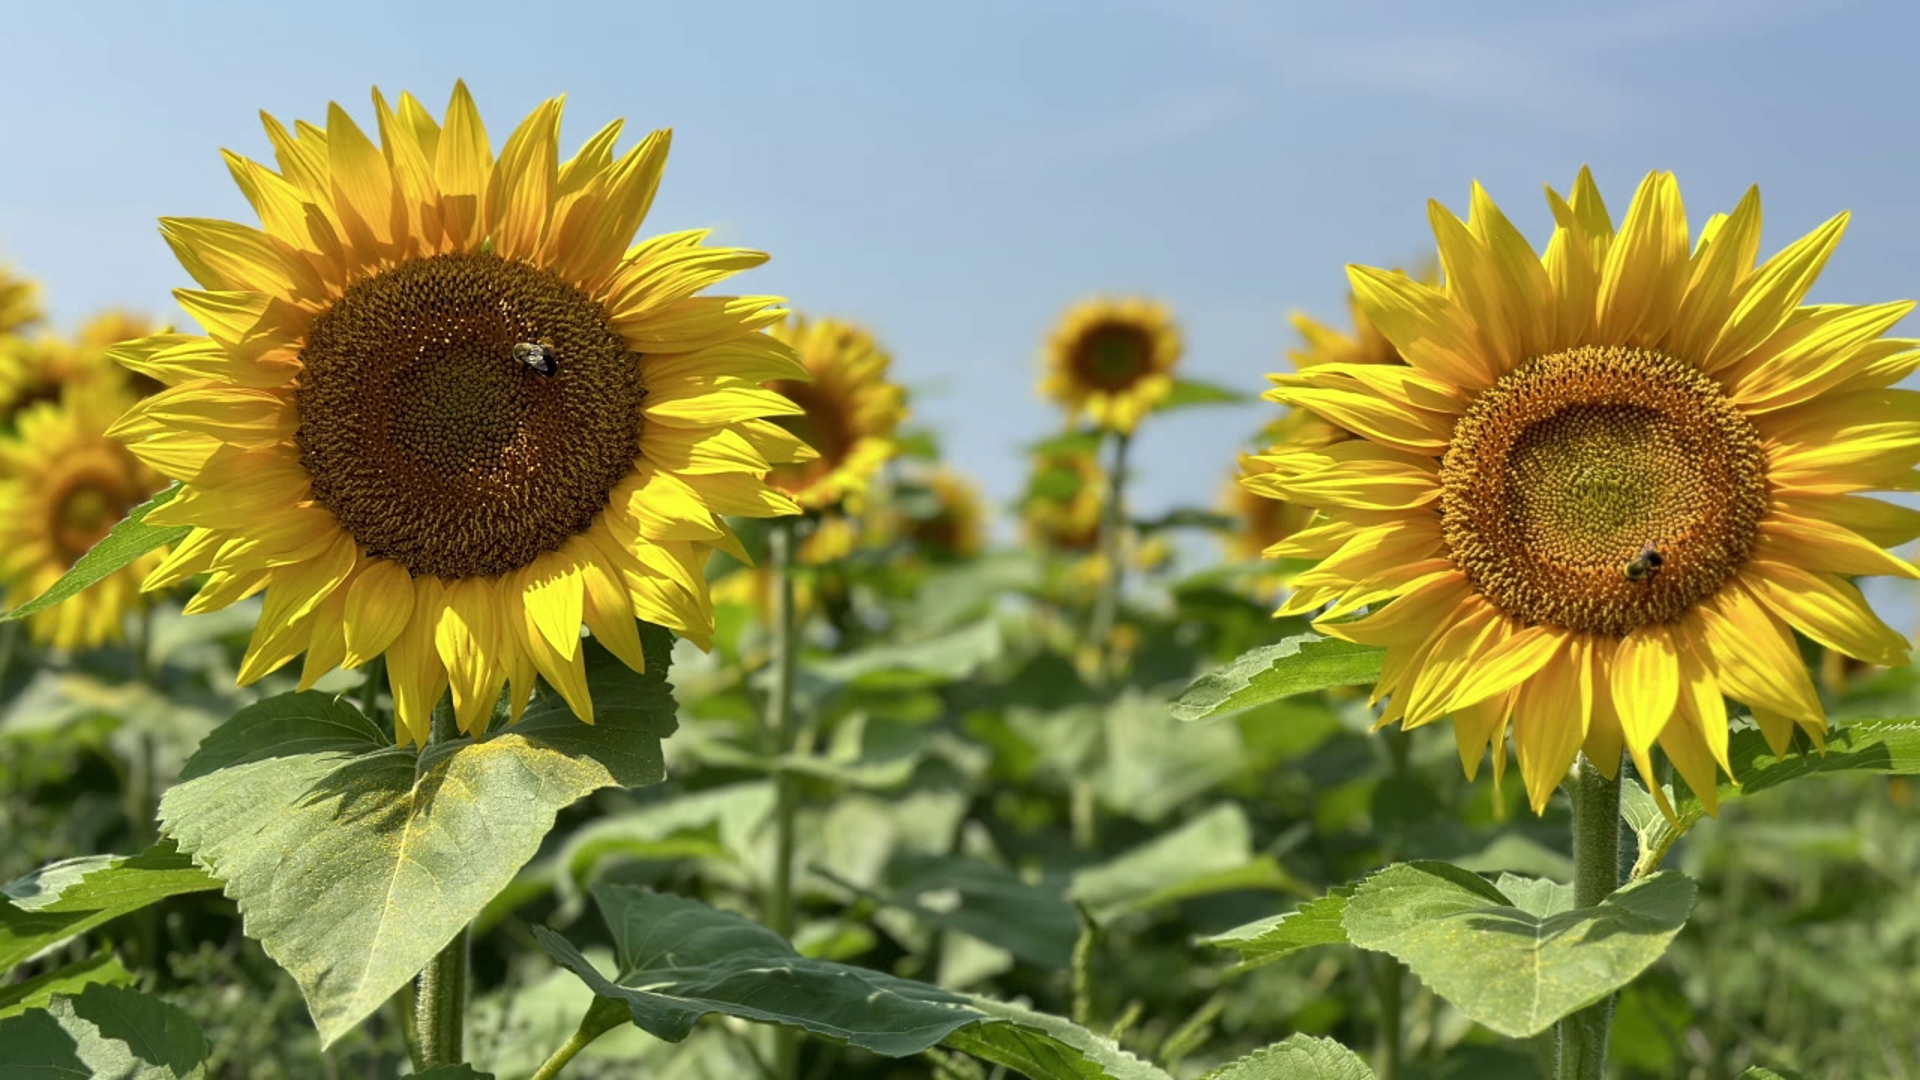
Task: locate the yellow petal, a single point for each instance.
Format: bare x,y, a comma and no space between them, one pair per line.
1826,608
379,605
414,671
1550,720
1645,685
551,588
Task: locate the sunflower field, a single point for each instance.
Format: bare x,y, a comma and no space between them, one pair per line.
482,638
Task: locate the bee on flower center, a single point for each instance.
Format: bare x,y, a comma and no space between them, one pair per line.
1646,565
538,355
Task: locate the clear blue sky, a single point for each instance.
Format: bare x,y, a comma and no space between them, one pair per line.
954,174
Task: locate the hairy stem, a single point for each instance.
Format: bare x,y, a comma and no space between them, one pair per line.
780,731
1106,609
440,998
1596,874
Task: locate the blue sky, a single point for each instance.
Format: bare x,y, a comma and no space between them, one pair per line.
955,174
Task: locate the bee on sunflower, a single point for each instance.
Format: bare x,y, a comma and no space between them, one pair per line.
1607,487
360,436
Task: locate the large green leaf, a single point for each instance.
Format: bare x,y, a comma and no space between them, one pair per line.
1316,922
1210,854
71,897
1514,970
1046,1047
679,960
35,993
128,541
354,861
1299,664
1298,1057
103,1031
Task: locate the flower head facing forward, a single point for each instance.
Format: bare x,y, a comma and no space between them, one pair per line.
1112,360
447,412
1608,486
848,411
63,486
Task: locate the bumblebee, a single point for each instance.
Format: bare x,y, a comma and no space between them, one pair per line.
1645,566
537,355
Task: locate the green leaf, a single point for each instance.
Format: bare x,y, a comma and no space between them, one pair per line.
950,656
1760,1073
1188,518
128,541
1316,922
1889,745
1209,854
104,1031
35,993
680,960
67,898
1299,664
354,861
1511,969
1190,392
453,1072
1046,1047
1298,1057
1070,442
957,892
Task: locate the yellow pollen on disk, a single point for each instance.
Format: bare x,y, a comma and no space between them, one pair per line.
1572,474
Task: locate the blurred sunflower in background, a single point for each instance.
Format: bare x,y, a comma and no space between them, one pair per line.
63,486
954,526
848,412
19,302
51,368
446,412
1609,485
1113,361
1065,501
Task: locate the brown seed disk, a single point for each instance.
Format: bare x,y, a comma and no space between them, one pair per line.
433,445
1111,355
823,423
1565,470
88,507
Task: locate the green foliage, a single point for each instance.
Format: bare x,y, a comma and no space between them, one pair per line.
1518,962
1188,393
128,540
103,1031
71,897
1299,664
1300,1057
354,861
102,967
1316,922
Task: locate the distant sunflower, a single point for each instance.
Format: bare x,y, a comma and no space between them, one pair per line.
63,486
1609,485
1113,360
19,302
1260,521
849,411
51,368
1065,502
956,529
446,414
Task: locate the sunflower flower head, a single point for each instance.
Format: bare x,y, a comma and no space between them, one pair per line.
1065,501
63,486
955,526
848,412
448,411
51,368
19,302
1113,361
1608,486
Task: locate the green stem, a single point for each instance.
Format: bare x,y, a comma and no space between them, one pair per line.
781,540
1388,986
1106,609
1596,874
602,1016
440,1003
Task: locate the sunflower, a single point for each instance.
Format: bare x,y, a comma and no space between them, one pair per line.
1112,359
445,414
849,411
1065,501
66,484
1610,484
19,302
50,368
957,526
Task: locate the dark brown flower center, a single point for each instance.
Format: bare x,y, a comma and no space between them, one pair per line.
1602,489
823,423
88,508
439,447
1112,356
